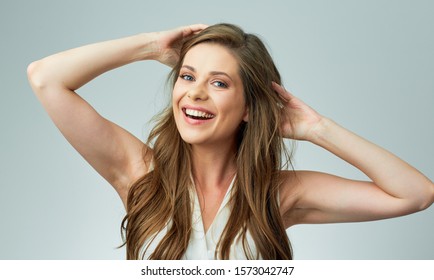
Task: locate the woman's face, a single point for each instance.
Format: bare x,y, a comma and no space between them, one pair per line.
208,100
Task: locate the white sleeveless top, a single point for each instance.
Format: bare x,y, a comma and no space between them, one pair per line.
202,245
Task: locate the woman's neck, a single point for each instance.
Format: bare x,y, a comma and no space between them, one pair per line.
214,166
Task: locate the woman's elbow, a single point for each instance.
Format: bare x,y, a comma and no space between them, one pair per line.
425,199
429,198
34,76
39,77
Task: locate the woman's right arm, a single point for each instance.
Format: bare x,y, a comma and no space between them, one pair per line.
112,151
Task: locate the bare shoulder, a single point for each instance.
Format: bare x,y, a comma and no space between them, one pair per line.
289,193
294,184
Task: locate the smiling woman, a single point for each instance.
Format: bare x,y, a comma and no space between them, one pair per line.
208,98
211,183
219,153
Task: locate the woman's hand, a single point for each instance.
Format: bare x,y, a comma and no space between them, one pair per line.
396,188
169,42
300,122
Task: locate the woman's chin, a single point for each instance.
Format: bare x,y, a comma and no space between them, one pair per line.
193,140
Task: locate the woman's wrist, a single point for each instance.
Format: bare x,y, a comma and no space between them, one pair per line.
144,47
322,130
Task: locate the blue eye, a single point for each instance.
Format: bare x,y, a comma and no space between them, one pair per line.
186,77
220,84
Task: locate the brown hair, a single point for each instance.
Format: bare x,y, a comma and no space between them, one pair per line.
163,195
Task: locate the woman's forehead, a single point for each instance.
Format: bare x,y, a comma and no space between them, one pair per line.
211,57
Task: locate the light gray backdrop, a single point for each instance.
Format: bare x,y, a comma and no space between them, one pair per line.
369,65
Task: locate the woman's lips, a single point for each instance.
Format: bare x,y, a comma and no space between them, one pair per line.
197,114
194,115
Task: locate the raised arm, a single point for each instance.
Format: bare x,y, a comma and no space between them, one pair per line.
113,152
396,188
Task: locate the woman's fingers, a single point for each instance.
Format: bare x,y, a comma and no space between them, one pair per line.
198,27
193,29
282,92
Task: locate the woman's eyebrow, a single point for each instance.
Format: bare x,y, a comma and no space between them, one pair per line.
191,68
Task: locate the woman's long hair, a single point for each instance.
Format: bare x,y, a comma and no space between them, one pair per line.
162,197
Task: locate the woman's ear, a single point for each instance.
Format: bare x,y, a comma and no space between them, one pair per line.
246,115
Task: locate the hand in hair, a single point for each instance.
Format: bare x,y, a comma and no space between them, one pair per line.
299,120
169,42
395,188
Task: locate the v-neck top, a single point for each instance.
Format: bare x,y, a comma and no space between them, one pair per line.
202,246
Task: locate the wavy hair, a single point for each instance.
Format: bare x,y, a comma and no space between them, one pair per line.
161,198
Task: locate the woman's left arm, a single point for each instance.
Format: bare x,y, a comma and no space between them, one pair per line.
396,188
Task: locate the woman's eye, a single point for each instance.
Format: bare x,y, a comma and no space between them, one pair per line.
186,77
220,84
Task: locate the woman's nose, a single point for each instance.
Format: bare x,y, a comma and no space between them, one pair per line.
197,93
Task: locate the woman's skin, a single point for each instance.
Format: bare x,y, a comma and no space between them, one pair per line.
396,188
209,82
110,150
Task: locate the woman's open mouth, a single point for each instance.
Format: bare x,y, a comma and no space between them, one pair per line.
197,115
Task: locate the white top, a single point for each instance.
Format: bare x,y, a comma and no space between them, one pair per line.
202,245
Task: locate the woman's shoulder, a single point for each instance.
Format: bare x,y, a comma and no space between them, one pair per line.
291,188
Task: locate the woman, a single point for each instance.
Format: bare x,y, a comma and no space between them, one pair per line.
210,182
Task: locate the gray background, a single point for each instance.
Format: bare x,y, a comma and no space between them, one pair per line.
369,65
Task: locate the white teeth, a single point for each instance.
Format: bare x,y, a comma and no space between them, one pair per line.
196,113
